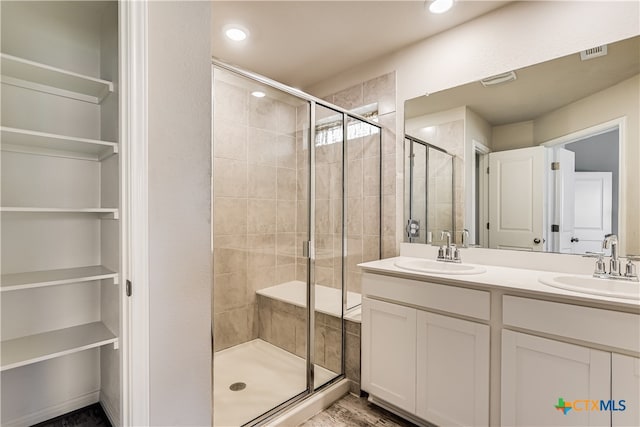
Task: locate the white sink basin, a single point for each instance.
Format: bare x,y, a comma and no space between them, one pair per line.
591,285
438,267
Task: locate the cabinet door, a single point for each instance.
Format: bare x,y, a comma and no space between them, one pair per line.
389,352
539,374
625,385
452,371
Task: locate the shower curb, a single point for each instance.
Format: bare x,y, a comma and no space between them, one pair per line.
311,406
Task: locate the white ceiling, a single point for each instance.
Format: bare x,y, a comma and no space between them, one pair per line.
300,43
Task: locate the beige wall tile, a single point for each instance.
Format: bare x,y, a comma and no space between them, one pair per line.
383,91
354,216
286,216
230,102
262,113
371,176
355,147
229,140
229,291
371,214
283,331
261,216
355,178
286,152
262,146
349,98
229,178
229,216
286,184
285,118
262,182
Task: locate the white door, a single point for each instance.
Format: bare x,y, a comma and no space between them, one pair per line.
625,385
452,368
541,377
564,182
516,199
593,210
389,352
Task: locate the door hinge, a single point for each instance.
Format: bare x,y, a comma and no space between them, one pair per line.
487,226
555,228
487,170
555,166
128,288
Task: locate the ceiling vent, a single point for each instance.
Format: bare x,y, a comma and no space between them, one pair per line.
594,52
499,78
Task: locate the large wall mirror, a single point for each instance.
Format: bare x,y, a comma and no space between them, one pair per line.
545,158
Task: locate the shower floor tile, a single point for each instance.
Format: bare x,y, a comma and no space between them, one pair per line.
271,375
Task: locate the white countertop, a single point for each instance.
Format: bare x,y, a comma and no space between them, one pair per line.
505,278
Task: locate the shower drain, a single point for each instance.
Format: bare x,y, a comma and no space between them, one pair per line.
237,386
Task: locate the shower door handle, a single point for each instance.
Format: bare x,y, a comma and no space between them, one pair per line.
306,249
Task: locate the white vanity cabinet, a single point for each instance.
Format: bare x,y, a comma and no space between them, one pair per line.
433,366
389,352
452,377
625,385
538,371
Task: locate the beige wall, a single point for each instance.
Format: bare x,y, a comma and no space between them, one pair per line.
512,136
179,160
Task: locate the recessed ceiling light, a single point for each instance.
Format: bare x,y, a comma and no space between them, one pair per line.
440,6
236,33
258,94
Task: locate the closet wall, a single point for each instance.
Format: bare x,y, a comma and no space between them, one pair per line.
60,198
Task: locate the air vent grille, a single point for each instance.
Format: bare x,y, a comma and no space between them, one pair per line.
500,78
594,52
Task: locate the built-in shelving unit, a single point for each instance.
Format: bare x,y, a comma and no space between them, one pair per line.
61,187
49,144
37,348
37,279
44,78
107,213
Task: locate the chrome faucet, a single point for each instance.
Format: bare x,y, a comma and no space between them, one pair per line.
630,274
449,253
611,240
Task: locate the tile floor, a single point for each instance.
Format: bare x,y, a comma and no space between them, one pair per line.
352,411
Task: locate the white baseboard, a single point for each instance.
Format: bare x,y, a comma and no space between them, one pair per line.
311,406
54,411
110,410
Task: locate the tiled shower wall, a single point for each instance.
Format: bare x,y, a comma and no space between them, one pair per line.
363,157
254,207
260,199
449,136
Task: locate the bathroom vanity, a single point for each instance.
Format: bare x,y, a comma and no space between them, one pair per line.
497,347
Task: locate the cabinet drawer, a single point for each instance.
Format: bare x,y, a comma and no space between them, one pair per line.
605,327
451,299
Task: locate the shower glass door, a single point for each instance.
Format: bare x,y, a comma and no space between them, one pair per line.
261,169
328,238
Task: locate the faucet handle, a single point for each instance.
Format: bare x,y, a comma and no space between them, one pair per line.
601,267
465,238
630,269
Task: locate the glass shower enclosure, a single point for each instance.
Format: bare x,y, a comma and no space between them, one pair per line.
294,209
429,206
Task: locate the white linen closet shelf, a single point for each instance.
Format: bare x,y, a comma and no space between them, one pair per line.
60,210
